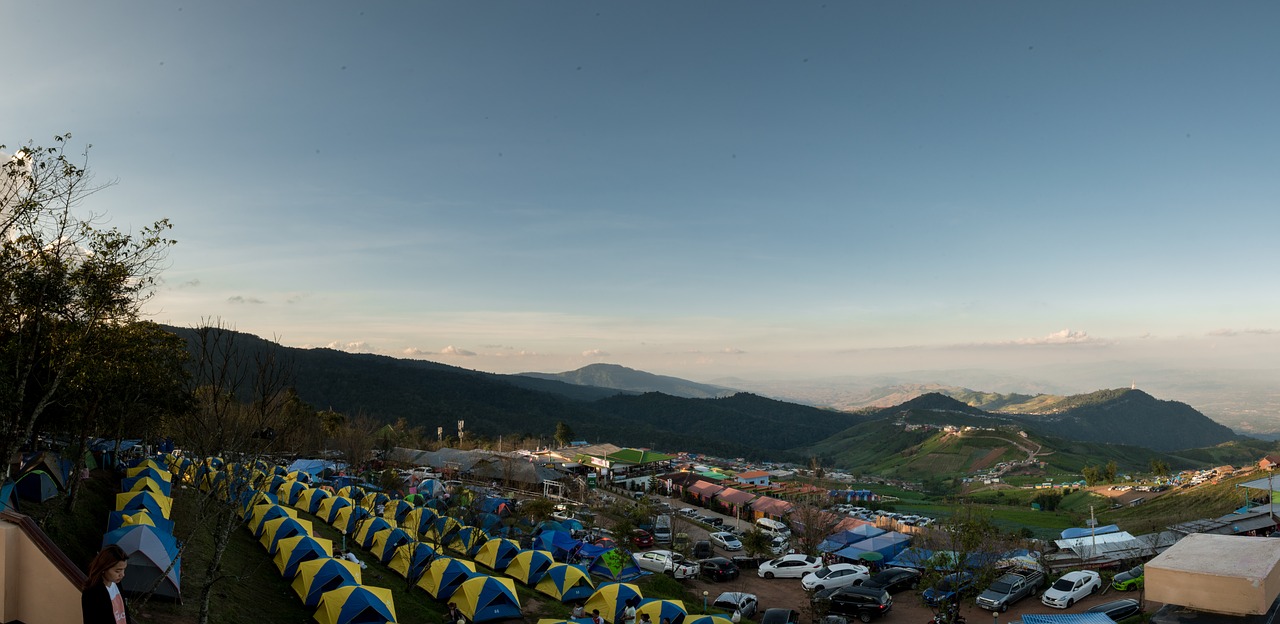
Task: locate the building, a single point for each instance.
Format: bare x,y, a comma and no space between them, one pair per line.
753,477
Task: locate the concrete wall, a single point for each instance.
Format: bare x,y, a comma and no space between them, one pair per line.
33,589
1231,574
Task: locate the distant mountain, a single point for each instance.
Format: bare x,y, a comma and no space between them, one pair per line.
1125,416
932,402
634,381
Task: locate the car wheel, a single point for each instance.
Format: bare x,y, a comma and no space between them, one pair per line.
913,585
818,588
865,617
768,575
1070,601
1004,608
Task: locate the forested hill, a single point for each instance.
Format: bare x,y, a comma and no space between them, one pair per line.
1124,416
634,381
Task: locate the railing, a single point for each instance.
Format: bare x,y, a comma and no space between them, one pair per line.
46,546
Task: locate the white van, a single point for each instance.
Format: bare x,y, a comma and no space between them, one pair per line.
662,529
773,527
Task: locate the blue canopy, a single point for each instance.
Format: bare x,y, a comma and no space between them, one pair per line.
1077,533
312,467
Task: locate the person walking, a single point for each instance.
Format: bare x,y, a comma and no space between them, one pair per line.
101,602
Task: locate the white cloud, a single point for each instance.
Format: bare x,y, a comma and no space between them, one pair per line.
594,353
189,284
1227,333
352,347
413,351
452,350
732,351
240,299
1066,336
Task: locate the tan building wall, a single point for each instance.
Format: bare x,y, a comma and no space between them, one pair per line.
33,588
1232,574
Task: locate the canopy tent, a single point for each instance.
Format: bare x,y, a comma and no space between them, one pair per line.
487,598
36,486
294,550
566,583
660,610
411,559
444,576
153,560
611,599
887,544
528,566
615,564
312,467
496,554
353,604
844,538
318,576
385,544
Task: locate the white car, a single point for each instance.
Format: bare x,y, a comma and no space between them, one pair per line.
835,575
745,604
666,562
726,540
789,566
1071,588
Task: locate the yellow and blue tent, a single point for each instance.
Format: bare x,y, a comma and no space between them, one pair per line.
143,466
294,550
385,544
485,598
611,599
411,559
396,510
707,619
351,491
659,609
277,529
367,529
356,603
156,505
419,521
566,583
289,491
467,540
250,498
441,530
262,513
349,519
309,500
373,499
330,507
150,484
528,566
496,554
444,576
318,576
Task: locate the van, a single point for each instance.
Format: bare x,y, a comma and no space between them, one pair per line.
662,529
773,527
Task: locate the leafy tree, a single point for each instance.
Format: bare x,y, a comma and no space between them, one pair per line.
1048,501
756,542
1110,473
564,434
1159,467
62,279
968,540
1093,475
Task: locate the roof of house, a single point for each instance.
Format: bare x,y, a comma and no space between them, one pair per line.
637,456
703,488
735,496
752,474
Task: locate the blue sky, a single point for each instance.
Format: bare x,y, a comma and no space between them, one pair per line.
701,189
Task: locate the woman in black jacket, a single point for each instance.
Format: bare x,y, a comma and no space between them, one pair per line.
102,602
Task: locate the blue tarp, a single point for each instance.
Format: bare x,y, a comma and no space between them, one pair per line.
312,467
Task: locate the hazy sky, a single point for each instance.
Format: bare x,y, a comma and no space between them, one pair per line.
691,188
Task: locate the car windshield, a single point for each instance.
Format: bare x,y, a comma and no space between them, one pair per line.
1001,587
1064,584
823,572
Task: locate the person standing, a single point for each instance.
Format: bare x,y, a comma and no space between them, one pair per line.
102,602
454,615
629,614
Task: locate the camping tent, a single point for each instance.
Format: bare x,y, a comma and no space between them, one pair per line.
660,610
486,598
419,521
367,529
611,599
262,513
277,529
356,603
294,550
396,510
330,507
411,559
497,553
566,583
385,544
615,564
468,540
117,519
444,576
8,497
36,486
152,554
528,566
318,576
310,499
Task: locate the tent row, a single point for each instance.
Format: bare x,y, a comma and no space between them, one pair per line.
142,527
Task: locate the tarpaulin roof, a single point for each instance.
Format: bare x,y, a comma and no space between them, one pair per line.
1067,618
1078,532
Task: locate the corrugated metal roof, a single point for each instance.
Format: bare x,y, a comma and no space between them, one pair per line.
1067,618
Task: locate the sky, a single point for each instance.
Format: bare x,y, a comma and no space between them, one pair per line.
702,189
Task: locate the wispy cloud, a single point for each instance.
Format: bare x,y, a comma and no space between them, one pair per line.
189,284
452,350
594,353
1063,337
1227,333
239,299
413,352
732,351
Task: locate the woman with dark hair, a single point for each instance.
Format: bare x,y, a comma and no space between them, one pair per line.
102,602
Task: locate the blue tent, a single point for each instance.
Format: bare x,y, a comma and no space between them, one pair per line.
558,543
888,545
430,488
495,505
306,550
8,497
152,554
411,559
366,528
36,486
312,467
327,576
615,564
485,598
164,487
115,520
355,604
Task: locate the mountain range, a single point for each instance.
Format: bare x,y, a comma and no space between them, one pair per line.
629,407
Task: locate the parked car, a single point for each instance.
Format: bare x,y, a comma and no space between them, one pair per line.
780,616
688,512
1128,580
641,539
1118,609
744,603
1069,589
666,562
718,569
948,588
894,580
835,575
863,603
1011,587
789,566
725,540
702,550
